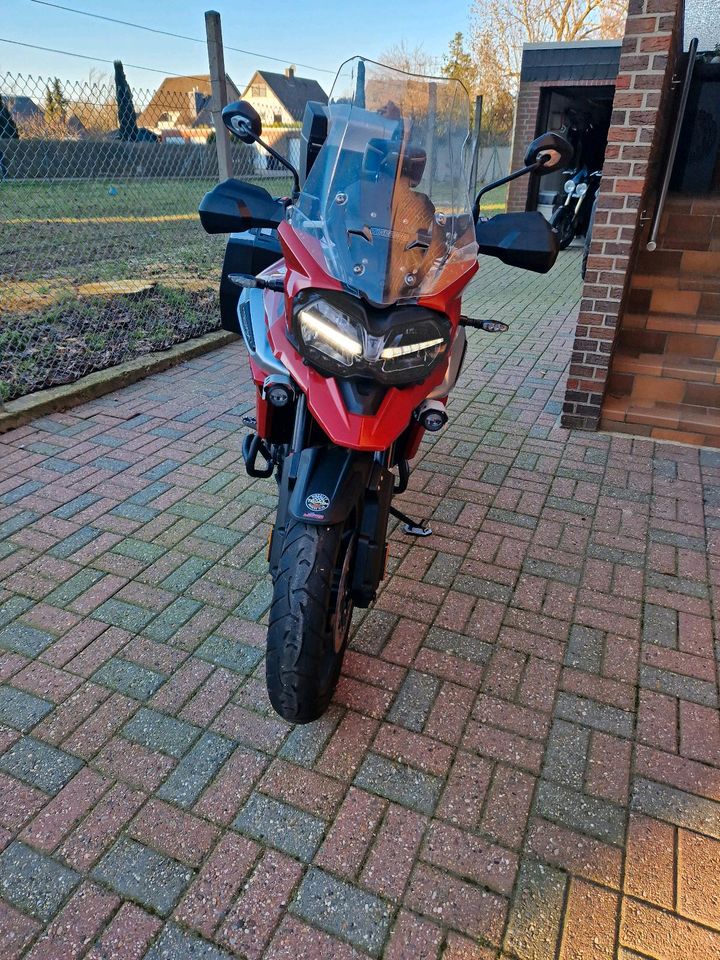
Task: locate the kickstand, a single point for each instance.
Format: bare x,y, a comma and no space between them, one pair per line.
409,526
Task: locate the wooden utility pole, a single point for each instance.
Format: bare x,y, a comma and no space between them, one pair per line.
219,97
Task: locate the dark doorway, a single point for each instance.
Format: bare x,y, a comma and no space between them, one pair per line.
583,115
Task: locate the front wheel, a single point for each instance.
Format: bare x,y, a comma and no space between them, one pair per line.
309,618
562,221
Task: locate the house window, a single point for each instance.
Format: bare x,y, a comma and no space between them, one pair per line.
277,118
258,90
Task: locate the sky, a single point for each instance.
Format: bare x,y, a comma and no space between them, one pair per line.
321,33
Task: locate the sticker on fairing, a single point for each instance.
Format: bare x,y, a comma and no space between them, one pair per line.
317,502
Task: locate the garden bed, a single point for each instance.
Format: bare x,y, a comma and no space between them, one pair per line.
72,337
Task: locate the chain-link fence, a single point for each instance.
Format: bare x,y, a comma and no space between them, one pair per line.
102,256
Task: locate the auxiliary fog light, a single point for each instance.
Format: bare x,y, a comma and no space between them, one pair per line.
278,391
431,415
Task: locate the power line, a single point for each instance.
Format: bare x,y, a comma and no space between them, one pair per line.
169,33
84,56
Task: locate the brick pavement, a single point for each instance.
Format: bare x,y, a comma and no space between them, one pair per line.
523,757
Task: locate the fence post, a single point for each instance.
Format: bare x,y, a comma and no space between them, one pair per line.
219,98
476,145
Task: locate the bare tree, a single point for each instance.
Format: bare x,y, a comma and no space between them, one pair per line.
501,27
411,59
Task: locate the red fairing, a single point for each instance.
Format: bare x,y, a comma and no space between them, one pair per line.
325,402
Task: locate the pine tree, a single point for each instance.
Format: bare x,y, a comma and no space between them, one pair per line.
458,64
8,127
55,104
127,121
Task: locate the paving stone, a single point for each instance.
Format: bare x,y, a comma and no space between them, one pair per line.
460,645
129,616
196,769
71,589
11,609
138,550
24,490
256,602
18,522
585,649
34,882
278,824
76,541
598,818
598,715
566,754
676,806
308,740
344,910
186,574
157,731
26,640
40,765
175,943
403,784
129,678
676,685
165,626
232,654
138,873
414,700
534,924
21,710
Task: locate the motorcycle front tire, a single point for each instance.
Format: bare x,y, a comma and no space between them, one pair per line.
562,222
309,619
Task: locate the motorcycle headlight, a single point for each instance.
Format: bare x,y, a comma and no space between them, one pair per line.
344,337
581,189
569,186
414,349
330,331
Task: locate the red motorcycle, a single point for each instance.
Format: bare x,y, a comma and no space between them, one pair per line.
347,295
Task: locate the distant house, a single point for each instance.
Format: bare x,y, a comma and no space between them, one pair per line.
179,110
24,110
280,98
30,118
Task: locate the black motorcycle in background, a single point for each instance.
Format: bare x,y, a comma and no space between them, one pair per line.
573,206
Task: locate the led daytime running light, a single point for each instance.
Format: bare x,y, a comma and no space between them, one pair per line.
390,353
330,334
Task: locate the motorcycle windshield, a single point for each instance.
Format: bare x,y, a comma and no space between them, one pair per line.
386,201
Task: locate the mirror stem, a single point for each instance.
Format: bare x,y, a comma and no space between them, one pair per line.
285,163
501,182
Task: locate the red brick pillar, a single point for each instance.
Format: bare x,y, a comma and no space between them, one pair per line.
635,144
526,111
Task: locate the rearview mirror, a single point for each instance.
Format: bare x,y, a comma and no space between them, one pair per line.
242,120
551,146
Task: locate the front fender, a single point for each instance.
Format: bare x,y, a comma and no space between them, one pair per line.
330,481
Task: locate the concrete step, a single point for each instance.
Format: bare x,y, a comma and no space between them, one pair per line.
665,420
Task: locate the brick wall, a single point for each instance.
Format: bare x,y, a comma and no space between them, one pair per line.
636,137
526,129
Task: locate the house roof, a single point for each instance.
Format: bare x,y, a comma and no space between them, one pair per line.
293,92
173,95
22,107
571,61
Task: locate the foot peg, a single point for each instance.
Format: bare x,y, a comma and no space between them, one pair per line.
409,526
252,447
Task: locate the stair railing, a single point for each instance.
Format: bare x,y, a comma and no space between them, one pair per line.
660,206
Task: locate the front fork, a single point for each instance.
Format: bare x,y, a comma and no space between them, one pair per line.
346,481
